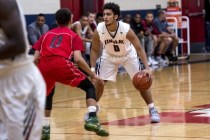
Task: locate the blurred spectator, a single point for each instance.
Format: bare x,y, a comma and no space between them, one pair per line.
150,37
91,20
99,18
83,29
36,29
151,31
167,33
207,19
137,27
127,18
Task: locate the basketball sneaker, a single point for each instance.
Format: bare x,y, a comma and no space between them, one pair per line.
155,118
92,124
45,132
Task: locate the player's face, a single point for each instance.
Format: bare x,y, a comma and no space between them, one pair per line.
91,17
99,19
149,18
109,17
137,18
164,17
40,21
84,21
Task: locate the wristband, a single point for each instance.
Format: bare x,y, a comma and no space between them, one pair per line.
92,69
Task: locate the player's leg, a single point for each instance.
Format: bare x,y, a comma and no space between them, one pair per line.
175,41
45,69
99,90
107,71
150,51
161,51
46,119
172,44
168,41
132,66
92,123
66,73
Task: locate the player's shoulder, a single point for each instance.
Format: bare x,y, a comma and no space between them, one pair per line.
124,26
100,26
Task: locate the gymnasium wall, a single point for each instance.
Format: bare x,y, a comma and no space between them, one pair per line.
132,6
33,7
129,5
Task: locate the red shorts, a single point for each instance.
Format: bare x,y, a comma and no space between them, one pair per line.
58,69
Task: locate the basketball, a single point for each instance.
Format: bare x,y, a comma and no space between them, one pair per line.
141,81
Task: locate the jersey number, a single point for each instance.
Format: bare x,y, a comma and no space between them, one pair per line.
116,48
56,41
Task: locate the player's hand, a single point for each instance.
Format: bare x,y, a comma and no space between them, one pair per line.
97,79
148,72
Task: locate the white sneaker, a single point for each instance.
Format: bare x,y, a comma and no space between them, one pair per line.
162,61
153,61
155,118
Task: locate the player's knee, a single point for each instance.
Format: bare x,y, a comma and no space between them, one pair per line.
89,88
168,40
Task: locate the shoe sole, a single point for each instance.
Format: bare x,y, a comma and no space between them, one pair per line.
155,121
92,129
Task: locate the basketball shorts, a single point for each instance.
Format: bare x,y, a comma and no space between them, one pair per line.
108,65
22,102
58,69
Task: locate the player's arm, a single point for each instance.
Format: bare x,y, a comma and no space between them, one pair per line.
131,36
37,48
95,49
77,30
36,57
82,63
11,24
90,31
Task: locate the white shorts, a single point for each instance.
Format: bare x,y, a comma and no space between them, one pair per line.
22,102
108,65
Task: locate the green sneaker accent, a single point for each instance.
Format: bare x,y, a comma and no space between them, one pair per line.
92,124
45,132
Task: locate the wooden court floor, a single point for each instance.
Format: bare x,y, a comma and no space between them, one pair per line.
181,94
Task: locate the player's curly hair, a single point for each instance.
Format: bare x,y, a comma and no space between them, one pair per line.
114,7
63,16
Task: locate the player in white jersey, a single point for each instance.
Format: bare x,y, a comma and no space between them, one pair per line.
22,88
117,38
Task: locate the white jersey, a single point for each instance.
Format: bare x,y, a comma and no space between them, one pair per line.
17,60
83,30
115,43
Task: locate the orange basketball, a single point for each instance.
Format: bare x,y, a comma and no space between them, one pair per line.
141,81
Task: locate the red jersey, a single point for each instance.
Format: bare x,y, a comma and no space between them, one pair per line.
150,27
60,41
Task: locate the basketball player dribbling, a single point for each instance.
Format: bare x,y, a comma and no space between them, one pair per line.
22,88
117,38
56,48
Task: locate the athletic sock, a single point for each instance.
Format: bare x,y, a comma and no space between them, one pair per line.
151,105
46,121
92,111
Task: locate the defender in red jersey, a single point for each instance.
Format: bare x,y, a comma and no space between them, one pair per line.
55,49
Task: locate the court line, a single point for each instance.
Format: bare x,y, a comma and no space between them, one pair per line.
121,135
114,108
